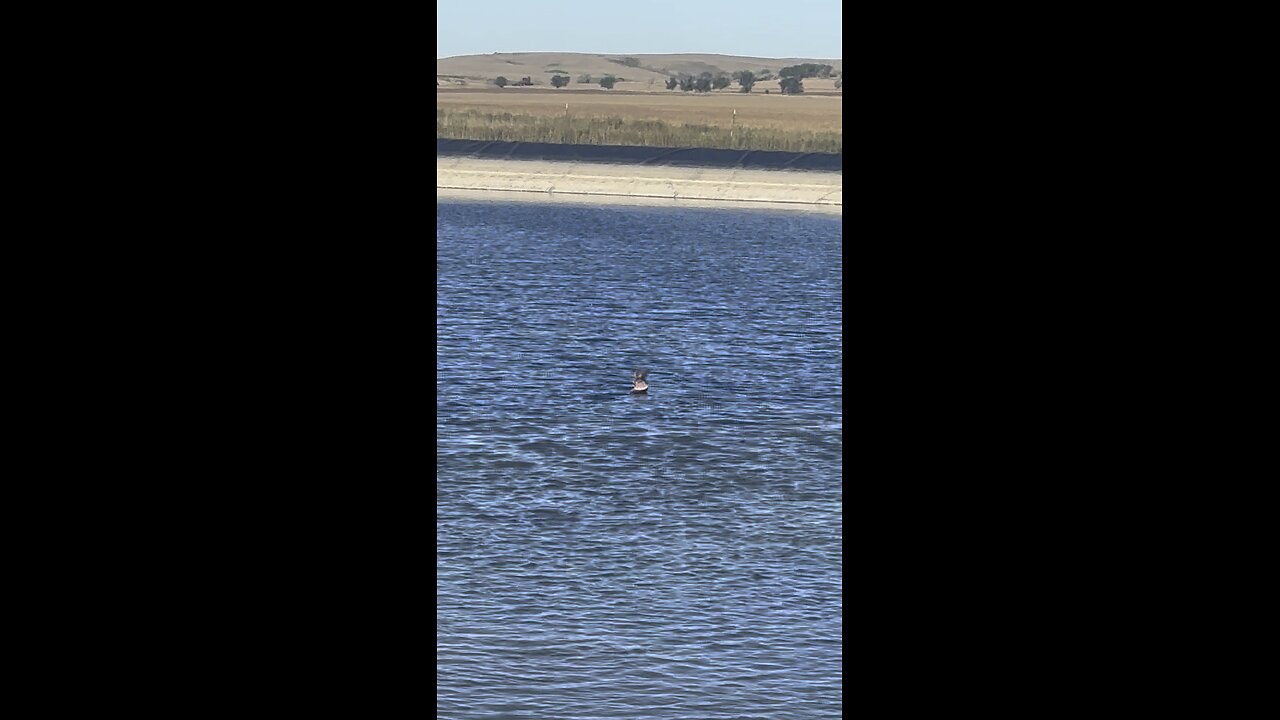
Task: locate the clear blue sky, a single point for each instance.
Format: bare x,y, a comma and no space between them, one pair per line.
780,28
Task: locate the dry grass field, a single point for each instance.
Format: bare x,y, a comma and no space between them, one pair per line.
637,112
782,112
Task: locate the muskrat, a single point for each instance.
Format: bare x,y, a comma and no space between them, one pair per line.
638,384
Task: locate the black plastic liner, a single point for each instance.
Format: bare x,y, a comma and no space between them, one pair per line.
624,154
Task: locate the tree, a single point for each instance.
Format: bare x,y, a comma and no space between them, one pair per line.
805,70
839,82
559,81
686,83
791,86
672,83
607,82
703,83
584,78
721,82
500,81
746,79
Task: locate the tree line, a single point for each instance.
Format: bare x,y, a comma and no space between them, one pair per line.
607,82
790,79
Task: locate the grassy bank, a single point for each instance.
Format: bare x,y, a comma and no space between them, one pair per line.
597,130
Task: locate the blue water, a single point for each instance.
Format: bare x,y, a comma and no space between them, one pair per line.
604,555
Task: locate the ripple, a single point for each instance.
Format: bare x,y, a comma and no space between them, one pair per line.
670,555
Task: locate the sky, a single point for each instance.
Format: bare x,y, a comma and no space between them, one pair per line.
776,29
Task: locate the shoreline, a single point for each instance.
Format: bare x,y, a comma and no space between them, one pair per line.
699,157
605,183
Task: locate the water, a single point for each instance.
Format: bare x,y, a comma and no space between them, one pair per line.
603,555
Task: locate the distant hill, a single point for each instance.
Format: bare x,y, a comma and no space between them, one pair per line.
540,66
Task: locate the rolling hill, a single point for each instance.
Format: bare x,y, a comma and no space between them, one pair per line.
473,70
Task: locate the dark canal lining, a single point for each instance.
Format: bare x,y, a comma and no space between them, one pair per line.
622,154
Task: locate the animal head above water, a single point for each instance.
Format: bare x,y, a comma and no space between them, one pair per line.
638,380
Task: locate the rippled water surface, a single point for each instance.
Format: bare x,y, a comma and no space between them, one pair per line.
603,555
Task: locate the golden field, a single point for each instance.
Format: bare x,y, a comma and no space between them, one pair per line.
637,111
787,112
803,123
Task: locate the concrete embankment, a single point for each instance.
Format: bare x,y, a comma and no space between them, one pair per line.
645,175
654,182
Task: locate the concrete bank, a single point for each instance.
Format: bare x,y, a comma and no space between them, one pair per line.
654,182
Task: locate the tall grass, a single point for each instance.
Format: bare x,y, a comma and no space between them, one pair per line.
569,129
